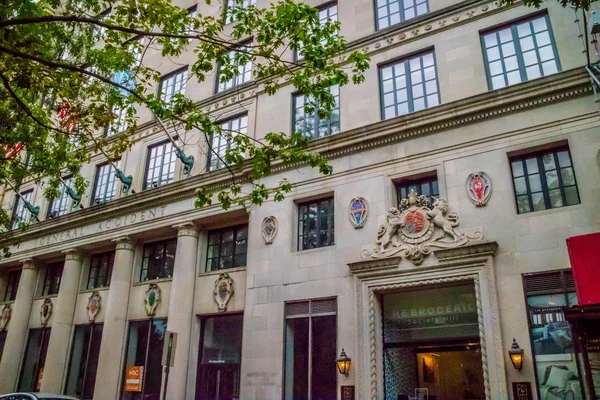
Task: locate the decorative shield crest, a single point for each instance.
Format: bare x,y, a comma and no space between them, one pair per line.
93,306
223,291
269,229
152,299
5,316
358,212
46,311
414,229
479,188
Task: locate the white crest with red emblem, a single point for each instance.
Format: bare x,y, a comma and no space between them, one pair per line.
479,188
417,227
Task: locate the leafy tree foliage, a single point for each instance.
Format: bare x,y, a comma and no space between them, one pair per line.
68,67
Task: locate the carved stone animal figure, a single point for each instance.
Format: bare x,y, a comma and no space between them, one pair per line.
386,234
446,222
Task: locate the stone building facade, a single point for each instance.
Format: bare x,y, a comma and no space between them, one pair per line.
487,107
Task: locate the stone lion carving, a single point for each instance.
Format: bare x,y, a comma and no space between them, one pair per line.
414,229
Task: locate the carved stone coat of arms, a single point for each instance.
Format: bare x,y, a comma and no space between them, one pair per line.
223,291
414,229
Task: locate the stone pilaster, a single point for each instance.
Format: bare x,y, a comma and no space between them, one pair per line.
181,307
17,328
62,324
115,323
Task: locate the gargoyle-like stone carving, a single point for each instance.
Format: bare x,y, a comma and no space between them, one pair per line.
414,229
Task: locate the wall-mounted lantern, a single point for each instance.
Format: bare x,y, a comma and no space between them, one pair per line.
343,363
516,355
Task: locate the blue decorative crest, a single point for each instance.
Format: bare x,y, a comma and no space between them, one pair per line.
358,212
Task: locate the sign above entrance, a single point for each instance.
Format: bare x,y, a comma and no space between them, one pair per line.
414,229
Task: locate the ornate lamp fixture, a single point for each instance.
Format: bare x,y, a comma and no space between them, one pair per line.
343,363
516,355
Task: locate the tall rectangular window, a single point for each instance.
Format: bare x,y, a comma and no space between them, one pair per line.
52,276
84,361
552,340
60,205
144,351
392,12
20,212
409,85
159,260
173,84
105,184
34,361
220,358
12,285
327,13
310,125
316,224
244,72
2,342
311,350
101,266
424,186
160,169
544,179
232,4
221,142
227,248
520,52
119,123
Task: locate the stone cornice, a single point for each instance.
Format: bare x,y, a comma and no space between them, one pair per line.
555,88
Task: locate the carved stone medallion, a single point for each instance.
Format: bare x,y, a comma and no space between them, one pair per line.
269,228
414,229
223,291
5,316
152,299
479,188
94,305
46,311
358,212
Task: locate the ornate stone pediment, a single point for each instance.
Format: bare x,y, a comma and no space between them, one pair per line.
414,229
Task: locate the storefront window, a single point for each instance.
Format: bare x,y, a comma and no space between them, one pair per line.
84,361
2,342
143,370
310,350
431,344
35,358
552,340
221,351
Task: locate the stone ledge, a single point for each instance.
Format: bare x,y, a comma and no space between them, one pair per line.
468,251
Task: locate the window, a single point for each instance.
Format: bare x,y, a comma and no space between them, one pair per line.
315,224
193,12
426,186
311,350
119,123
220,357
328,13
160,169
172,84
104,186
552,341
227,248
220,143
84,361
244,73
12,285
52,277
101,266
20,212
144,349
520,52
311,125
35,358
231,4
159,259
60,205
2,341
543,180
409,85
391,12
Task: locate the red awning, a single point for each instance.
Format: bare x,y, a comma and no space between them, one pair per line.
584,252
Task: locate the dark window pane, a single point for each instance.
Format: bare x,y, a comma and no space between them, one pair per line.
34,361
159,260
227,248
296,359
84,361
316,229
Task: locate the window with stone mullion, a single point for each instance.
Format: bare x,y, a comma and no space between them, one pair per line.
316,224
160,169
392,12
223,141
244,72
101,266
12,285
20,212
52,278
171,85
105,184
227,248
60,205
427,187
311,126
159,260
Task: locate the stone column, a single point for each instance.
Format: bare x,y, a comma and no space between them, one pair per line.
115,323
17,328
181,307
62,324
